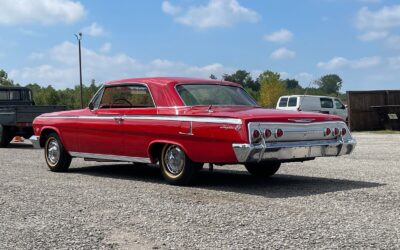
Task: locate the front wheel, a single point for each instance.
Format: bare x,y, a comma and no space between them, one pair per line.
176,167
57,158
265,169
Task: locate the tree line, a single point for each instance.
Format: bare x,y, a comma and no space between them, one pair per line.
266,88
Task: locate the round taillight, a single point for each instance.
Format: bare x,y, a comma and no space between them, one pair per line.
337,131
344,131
267,133
328,131
279,133
256,134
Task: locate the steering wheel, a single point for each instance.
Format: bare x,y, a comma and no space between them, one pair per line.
120,99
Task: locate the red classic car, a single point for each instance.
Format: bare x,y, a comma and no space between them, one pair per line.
183,123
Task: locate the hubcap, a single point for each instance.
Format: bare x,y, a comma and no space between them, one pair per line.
53,151
174,160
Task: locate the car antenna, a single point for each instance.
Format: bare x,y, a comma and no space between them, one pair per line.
305,93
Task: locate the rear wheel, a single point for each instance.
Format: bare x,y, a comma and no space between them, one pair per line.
57,159
265,169
176,167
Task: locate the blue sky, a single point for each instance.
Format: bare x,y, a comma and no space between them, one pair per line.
357,39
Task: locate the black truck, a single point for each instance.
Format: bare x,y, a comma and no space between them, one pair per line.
17,111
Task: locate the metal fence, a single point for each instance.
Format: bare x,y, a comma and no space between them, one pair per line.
373,110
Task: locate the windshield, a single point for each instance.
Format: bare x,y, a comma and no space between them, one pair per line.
213,94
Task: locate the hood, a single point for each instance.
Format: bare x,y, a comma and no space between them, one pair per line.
250,114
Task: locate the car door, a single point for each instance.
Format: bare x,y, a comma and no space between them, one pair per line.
139,121
326,105
340,109
101,131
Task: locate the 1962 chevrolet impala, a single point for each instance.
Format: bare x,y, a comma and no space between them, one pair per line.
183,123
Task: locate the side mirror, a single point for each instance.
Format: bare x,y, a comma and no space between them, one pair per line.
91,106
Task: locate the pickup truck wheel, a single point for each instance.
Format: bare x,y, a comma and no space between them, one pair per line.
57,159
176,167
5,136
263,169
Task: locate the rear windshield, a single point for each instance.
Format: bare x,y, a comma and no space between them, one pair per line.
292,102
214,94
15,95
283,102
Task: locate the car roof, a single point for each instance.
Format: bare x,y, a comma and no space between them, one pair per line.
169,80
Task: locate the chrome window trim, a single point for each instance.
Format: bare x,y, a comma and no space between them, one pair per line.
234,121
110,157
132,84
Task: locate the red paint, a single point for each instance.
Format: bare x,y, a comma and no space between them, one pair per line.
95,132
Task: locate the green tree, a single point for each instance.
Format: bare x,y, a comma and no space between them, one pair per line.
271,88
291,83
242,77
212,76
330,84
4,81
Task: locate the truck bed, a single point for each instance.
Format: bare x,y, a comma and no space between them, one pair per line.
12,115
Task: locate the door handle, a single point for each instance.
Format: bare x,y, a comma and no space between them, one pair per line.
118,120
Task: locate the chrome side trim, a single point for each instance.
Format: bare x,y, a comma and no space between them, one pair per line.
110,157
35,141
157,118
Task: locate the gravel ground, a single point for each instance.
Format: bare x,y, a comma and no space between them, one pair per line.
347,202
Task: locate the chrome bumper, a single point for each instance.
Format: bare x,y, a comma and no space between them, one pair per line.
286,151
35,141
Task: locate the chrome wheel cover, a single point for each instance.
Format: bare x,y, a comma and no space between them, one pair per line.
53,151
174,160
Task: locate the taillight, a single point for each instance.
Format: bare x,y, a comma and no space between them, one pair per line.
279,133
267,133
344,131
256,135
328,131
336,132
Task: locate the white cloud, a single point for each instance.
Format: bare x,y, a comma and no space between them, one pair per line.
36,56
366,62
93,30
170,9
393,42
373,35
360,63
40,11
370,1
385,18
283,53
105,48
334,63
61,68
280,36
217,13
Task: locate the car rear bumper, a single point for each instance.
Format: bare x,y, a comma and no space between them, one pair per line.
35,141
289,151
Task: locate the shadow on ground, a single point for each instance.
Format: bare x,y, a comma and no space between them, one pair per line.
278,186
20,145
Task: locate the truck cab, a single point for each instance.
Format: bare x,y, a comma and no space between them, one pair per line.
10,96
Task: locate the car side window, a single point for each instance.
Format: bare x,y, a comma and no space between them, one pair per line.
292,102
126,96
283,102
326,103
339,104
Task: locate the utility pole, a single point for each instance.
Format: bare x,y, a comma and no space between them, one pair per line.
79,38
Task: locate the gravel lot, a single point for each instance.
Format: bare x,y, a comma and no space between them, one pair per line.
346,202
